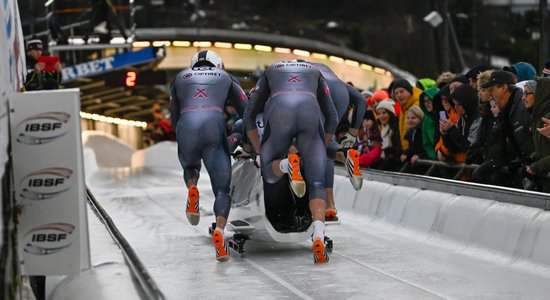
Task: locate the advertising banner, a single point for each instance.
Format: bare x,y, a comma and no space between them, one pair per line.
49,182
111,63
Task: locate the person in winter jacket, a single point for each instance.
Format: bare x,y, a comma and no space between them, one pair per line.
414,137
389,131
406,95
493,170
515,118
444,106
455,136
537,101
38,77
429,122
482,126
370,142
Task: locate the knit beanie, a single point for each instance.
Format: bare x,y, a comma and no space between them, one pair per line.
532,84
402,83
380,95
34,44
388,105
525,71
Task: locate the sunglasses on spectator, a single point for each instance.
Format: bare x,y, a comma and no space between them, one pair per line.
157,111
529,93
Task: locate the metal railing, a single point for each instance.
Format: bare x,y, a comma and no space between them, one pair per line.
452,186
434,164
46,32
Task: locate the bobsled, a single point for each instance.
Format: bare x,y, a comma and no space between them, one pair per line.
265,212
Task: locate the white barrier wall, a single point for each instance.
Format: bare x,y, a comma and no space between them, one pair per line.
48,171
515,231
160,155
109,150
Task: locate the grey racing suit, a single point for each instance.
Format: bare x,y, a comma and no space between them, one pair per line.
343,95
197,100
295,100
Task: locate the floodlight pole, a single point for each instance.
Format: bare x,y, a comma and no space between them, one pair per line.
446,62
455,42
543,55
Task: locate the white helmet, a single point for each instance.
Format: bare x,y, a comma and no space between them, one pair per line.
207,58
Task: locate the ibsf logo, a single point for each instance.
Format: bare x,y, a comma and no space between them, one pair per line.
42,128
188,75
48,238
45,183
279,66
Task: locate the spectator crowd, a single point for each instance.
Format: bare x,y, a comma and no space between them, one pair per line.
492,125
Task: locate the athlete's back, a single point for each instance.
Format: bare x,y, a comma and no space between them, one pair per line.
205,89
286,77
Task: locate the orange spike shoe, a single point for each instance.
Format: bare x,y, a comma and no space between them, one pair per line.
192,208
352,166
297,183
222,252
320,254
330,215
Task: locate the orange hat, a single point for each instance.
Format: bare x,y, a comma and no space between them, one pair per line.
379,95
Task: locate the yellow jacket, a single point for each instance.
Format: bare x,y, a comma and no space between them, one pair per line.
413,100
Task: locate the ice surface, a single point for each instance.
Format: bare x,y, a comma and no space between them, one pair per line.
370,260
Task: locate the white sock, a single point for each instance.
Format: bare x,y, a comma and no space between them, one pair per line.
318,230
283,165
218,228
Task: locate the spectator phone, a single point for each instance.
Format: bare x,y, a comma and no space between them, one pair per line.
443,115
49,61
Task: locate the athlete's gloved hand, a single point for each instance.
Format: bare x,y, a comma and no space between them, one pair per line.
348,141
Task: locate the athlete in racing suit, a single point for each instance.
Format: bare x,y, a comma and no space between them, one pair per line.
294,98
343,96
198,96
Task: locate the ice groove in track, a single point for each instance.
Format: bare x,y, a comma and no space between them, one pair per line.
388,275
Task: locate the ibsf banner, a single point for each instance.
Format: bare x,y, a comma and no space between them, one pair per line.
49,185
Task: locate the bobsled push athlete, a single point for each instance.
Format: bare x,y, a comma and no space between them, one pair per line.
197,98
299,101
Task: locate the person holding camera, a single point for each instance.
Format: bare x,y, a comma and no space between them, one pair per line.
43,72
